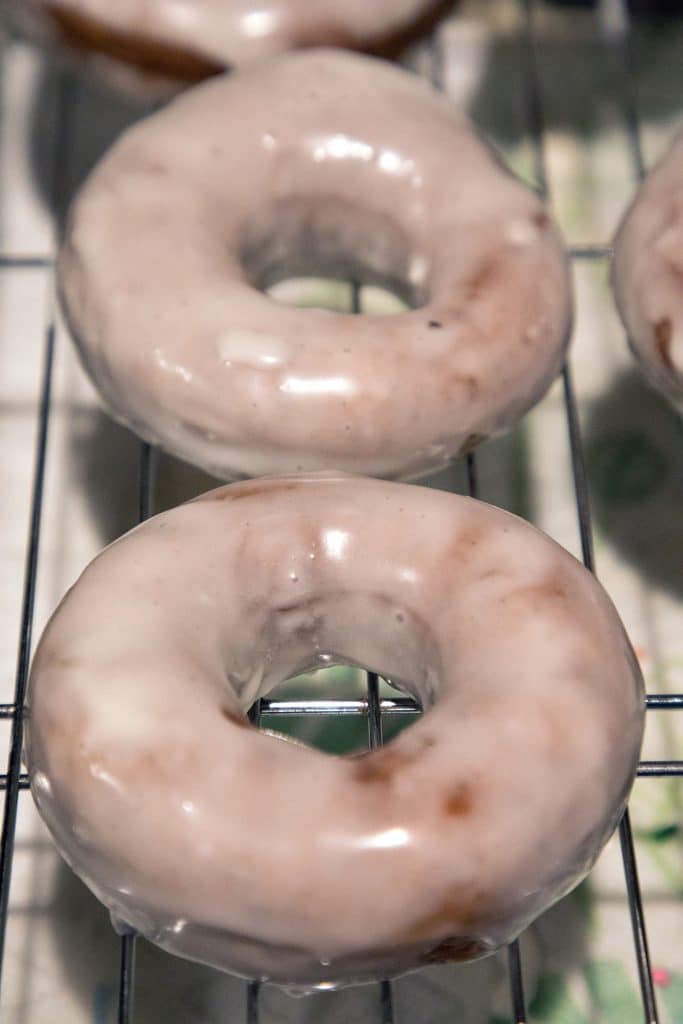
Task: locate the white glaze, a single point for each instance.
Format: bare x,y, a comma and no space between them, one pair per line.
272,860
211,34
326,162
647,274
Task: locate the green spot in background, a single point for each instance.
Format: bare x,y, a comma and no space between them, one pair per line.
520,483
584,900
672,995
661,834
612,993
552,1003
625,466
333,734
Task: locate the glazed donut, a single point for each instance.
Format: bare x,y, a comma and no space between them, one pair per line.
334,164
647,274
272,860
172,43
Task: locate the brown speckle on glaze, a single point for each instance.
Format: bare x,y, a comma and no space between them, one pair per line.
236,717
151,765
380,766
549,589
460,801
471,443
485,278
456,950
460,908
66,661
466,540
463,380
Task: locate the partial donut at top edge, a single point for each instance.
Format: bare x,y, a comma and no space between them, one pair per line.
159,46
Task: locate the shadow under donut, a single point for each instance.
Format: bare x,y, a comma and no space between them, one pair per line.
167,989
634,458
105,460
93,118
178,991
581,81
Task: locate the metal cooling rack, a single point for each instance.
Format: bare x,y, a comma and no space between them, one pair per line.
616,36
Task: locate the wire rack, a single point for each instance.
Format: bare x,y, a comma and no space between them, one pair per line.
616,38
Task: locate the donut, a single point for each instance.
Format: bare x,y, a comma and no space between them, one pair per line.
647,274
167,44
270,859
327,163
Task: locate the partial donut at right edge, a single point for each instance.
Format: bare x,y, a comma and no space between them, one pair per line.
647,274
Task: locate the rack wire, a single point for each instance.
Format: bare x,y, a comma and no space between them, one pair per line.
616,29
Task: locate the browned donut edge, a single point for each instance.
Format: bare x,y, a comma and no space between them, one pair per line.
387,44
89,35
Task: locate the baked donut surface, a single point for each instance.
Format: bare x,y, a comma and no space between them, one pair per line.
170,43
272,860
333,164
647,274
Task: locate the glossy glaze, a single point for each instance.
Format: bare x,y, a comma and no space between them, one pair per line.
647,274
270,859
159,45
328,163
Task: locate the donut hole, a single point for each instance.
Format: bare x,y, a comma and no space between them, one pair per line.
336,295
320,647
339,732
311,252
